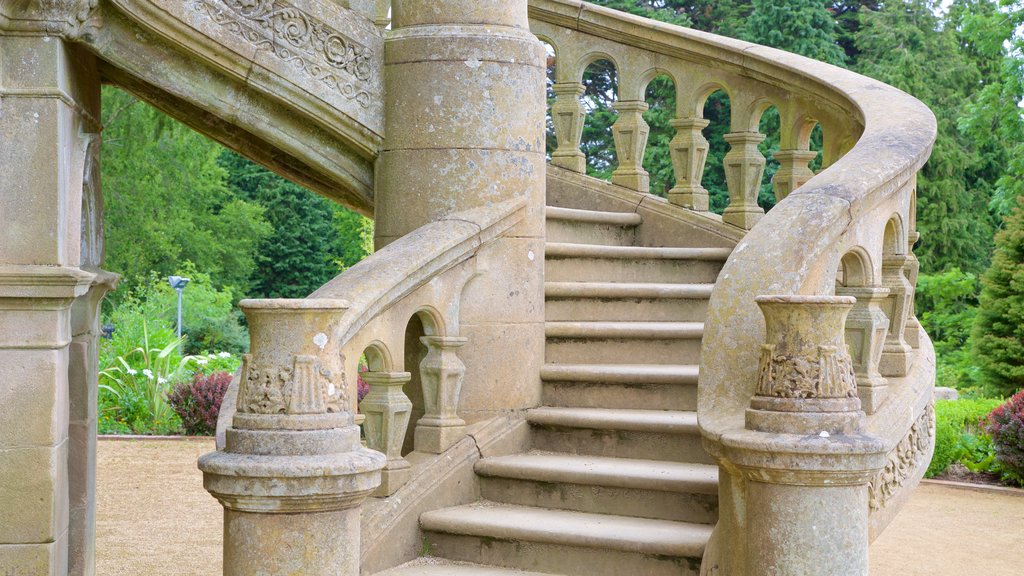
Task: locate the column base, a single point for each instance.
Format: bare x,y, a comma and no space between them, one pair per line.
437,439
634,180
872,395
744,218
393,477
695,199
574,162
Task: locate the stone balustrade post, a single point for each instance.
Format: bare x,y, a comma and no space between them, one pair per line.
866,329
441,374
689,150
912,331
567,115
896,354
631,132
293,472
387,410
805,463
744,169
794,171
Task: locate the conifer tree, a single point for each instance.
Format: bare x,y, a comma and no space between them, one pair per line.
999,325
804,27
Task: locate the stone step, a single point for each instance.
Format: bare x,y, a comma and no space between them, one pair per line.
565,262
565,542
618,486
615,342
441,567
626,301
591,227
646,434
622,373
622,396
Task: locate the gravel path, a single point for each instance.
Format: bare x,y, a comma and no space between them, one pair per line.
155,519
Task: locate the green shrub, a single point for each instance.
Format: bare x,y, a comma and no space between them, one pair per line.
959,435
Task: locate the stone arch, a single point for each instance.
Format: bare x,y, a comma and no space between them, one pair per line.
432,320
704,93
856,269
378,357
591,58
894,239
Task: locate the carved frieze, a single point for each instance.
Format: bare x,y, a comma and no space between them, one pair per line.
903,461
305,387
828,374
298,38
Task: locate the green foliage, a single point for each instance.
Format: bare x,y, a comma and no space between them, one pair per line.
801,26
959,436
1006,425
999,326
661,96
167,200
663,10
949,302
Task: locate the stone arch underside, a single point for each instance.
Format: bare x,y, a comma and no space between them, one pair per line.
294,85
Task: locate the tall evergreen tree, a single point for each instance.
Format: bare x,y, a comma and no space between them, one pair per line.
999,325
804,27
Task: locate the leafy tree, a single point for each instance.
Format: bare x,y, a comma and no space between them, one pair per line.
167,200
999,327
804,27
947,304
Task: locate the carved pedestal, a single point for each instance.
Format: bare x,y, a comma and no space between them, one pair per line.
293,472
744,168
631,133
689,150
387,410
441,374
866,329
567,114
896,354
794,171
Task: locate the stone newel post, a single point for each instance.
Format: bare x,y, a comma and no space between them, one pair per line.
805,463
293,472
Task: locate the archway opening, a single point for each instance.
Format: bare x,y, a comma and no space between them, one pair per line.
601,88
661,97
718,111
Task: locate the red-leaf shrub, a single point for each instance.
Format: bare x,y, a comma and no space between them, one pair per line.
362,388
198,403
1006,426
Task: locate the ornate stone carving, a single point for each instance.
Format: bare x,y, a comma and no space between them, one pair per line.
906,459
829,374
305,387
297,38
66,16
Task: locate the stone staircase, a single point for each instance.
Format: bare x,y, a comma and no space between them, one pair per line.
616,480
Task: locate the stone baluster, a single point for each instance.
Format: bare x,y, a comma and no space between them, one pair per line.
567,115
631,132
744,168
912,331
689,150
866,329
896,354
293,473
441,374
794,171
806,464
387,410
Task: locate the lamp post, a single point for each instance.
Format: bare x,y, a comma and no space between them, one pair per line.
178,283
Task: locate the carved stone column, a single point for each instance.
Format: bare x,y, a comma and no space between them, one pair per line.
866,328
441,373
794,171
804,463
568,114
689,150
912,331
293,472
744,168
387,410
896,355
631,132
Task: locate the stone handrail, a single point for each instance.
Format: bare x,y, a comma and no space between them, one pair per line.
421,274
848,230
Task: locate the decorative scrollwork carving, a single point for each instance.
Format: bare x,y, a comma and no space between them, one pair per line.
297,38
829,375
903,461
305,387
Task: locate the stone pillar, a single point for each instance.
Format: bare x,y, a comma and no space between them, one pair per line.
794,171
465,128
804,461
896,354
568,116
689,151
387,410
441,374
631,132
50,100
866,329
744,168
912,331
293,473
